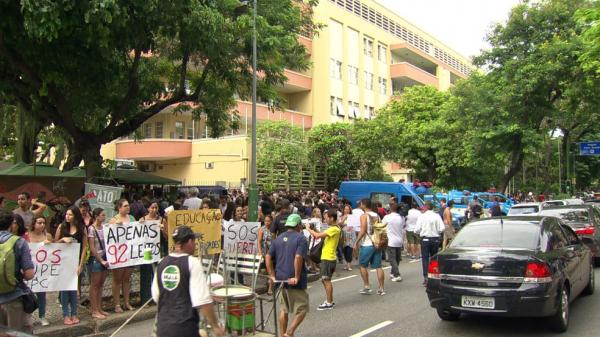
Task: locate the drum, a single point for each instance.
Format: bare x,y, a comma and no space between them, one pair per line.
240,305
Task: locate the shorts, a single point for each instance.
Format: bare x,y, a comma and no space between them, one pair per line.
294,301
413,238
449,233
370,256
95,265
348,253
327,269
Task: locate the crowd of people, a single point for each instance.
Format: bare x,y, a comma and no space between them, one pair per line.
294,225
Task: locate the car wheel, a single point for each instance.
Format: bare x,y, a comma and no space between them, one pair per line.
589,289
560,321
448,315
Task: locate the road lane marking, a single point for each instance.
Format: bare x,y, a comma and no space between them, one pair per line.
373,328
343,278
414,261
384,268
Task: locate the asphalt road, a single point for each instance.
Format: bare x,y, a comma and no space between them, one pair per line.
405,311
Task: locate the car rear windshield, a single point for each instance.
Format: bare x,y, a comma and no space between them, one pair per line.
573,217
523,210
519,235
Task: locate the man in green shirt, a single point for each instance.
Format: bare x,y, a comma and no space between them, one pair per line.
328,255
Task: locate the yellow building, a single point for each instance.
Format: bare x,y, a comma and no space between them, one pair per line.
364,54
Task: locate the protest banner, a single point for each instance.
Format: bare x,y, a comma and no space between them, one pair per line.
55,266
206,222
241,237
354,221
126,243
104,197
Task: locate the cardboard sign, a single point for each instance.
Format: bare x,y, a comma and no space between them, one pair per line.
55,266
241,237
103,197
125,244
206,222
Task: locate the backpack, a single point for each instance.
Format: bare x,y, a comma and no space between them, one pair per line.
8,265
380,235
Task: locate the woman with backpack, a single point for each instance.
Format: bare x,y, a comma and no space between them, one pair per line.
38,234
97,262
72,230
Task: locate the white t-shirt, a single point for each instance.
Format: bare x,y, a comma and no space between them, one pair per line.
411,219
199,293
370,219
430,224
192,203
395,229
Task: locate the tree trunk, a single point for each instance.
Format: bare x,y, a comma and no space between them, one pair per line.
546,163
92,160
516,160
27,130
565,155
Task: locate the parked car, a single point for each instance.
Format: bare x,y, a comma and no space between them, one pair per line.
515,266
563,202
584,220
487,199
526,209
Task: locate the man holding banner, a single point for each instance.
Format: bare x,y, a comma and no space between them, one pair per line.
181,291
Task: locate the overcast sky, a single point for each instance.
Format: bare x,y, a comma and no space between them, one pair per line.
460,24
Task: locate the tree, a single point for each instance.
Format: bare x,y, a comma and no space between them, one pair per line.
98,69
589,19
281,154
330,146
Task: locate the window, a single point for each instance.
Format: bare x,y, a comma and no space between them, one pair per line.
368,47
336,108
179,130
368,80
190,131
489,234
383,86
335,69
353,75
353,110
147,130
382,53
369,110
158,130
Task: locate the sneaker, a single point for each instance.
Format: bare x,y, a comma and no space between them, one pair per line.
366,291
325,306
44,322
397,278
380,292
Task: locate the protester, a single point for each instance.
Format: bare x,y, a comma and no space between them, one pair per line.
443,206
368,255
281,219
328,255
38,234
429,226
449,231
12,313
265,237
72,230
395,230
137,207
474,208
18,228
181,291
349,237
495,209
193,202
146,271
121,277
25,208
97,262
287,254
412,233
85,209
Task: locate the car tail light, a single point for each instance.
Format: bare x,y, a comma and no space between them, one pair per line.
433,271
586,230
537,272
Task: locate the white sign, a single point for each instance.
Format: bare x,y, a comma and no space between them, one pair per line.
55,266
241,237
104,197
354,221
126,243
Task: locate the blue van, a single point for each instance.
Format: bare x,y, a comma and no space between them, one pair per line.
377,191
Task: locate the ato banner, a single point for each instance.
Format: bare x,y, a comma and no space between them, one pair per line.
55,266
126,243
104,197
241,237
206,222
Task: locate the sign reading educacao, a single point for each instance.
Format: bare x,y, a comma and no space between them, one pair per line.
589,148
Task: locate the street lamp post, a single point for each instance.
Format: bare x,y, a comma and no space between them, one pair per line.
253,189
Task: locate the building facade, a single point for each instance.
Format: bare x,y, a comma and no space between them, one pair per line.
364,55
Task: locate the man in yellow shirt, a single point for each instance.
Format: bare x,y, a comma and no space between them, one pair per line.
328,255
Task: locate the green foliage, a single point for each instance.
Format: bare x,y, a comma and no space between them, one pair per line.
589,19
281,153
98,69
330,146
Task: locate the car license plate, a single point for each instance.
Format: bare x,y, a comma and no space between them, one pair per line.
478,302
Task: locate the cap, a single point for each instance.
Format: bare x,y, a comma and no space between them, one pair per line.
183,233
293,220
